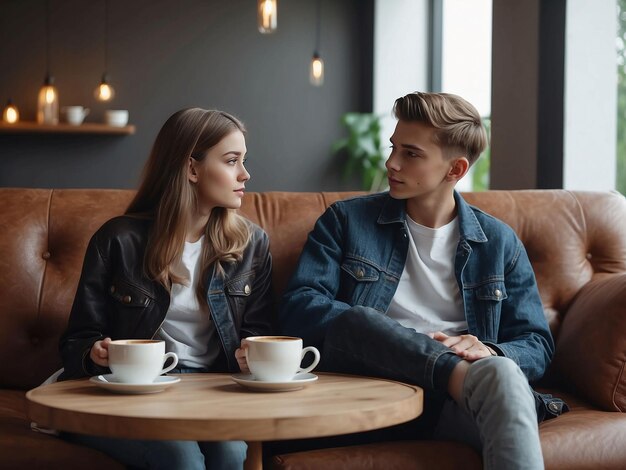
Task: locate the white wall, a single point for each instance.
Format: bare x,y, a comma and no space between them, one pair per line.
590,95
400,54
466,43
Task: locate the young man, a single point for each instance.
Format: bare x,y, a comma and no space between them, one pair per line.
416,285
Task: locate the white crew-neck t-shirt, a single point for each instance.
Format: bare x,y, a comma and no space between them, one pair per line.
428,297
188,329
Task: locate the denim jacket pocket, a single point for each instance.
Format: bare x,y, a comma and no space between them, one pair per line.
237,291
356,281
241,286
487,303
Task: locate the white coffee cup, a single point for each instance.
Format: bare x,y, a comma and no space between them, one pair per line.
277,358
75,115
116,117
139,361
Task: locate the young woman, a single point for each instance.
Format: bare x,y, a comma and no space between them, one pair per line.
180,266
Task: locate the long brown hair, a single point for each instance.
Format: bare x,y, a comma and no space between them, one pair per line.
166,195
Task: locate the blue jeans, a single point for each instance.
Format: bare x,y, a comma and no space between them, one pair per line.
168,455
497,413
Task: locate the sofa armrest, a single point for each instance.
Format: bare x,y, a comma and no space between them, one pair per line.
591,347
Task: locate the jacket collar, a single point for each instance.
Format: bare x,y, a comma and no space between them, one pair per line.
394,211
468,223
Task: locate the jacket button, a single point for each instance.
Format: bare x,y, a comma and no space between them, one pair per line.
553,406
45,255
247,289
498,293
127,299
112,289
360,273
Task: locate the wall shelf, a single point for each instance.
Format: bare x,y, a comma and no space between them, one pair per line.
26,127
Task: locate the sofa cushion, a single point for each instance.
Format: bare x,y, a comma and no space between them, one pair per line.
591,348
405,455
21,447
577,440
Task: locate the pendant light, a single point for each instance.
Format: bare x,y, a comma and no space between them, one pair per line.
267,16
10,114
48,99
316,75
104,91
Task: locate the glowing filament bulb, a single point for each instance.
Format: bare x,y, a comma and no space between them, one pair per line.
267,16
11,114
317,71
104,92
50,94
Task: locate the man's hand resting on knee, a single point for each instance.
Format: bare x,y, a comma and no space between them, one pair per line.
469,348
466,346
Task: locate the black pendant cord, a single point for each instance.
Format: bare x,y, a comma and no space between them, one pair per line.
47,38
106,36
318,27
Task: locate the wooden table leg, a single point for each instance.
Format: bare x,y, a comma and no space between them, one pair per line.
254,458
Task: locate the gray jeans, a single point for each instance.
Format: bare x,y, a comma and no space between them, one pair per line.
497,414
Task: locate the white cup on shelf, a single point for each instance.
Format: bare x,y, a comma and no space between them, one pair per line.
116,117
75,115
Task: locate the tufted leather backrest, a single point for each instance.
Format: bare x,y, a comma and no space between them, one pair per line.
570,237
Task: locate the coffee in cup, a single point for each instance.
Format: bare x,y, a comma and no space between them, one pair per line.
277,358
139,361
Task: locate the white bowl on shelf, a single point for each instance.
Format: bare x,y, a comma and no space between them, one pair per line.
116,117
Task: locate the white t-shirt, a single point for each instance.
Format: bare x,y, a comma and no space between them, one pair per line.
188,329
428,297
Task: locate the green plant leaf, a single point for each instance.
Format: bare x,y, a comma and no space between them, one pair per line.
363,149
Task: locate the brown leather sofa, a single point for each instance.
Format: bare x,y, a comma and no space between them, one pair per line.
575,240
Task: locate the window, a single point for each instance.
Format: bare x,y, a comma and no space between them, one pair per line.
466,68
621,97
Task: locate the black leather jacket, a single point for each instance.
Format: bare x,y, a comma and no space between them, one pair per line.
116,299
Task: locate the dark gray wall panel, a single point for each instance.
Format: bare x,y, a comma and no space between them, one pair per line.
165,55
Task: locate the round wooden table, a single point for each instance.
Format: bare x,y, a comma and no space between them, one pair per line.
211,407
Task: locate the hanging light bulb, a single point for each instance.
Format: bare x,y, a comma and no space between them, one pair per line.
317,70
104,91
267,12
10,114
48,102
48,98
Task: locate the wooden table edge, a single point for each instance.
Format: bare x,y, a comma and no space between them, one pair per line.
86,422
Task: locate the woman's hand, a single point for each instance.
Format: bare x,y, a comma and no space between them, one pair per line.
240,355
466,346
99,353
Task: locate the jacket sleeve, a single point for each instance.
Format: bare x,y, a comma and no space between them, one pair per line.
257,318
87,321
524,335
309,304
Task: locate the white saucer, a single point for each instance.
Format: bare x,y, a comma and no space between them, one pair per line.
108,382
298,382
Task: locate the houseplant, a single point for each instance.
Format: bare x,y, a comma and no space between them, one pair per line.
363,151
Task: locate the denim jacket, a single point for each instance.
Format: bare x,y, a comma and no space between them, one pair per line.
356,253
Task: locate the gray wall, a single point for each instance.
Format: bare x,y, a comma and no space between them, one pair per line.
165,55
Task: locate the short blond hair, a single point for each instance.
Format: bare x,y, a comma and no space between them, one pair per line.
459,126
